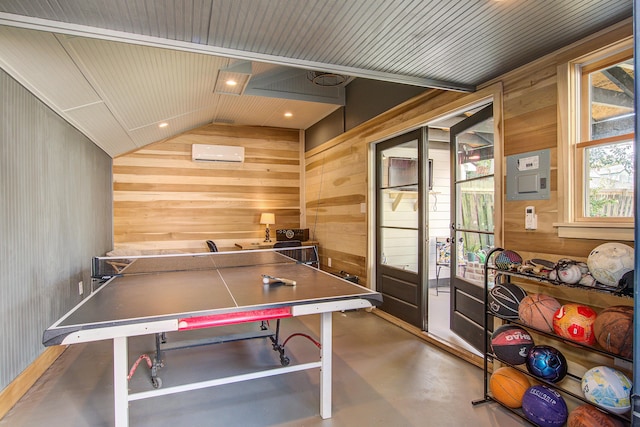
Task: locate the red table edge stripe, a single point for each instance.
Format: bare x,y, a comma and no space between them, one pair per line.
232,318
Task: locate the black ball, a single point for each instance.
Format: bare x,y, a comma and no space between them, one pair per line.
625,284
511,344
504,300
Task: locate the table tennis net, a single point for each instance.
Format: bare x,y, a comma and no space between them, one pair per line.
104,268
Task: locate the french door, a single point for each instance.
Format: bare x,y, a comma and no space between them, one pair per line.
472,211
400,232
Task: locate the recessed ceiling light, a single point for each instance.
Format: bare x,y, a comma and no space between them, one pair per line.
288,114
233,79
163,125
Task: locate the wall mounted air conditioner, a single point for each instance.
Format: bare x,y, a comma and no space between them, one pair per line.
216,153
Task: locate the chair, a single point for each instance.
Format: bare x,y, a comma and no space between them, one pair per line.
443,257
212,246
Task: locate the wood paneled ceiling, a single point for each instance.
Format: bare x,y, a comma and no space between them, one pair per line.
116,69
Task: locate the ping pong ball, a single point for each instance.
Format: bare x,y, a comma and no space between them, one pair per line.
265,280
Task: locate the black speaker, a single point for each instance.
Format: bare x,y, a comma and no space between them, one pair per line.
301,234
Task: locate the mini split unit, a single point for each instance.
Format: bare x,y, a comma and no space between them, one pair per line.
216,153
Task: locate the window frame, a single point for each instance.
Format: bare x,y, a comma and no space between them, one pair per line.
572,116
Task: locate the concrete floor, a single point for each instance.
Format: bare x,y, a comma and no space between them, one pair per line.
382,376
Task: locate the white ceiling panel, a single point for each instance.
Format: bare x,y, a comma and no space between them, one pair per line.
142,62
36,59
97,122
145,85
152,133
236,110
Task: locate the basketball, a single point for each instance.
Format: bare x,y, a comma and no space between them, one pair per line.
613,329
537,310
504,299
609,262
575,322
508,385
511,344
608,388
590,416
547,362
544,406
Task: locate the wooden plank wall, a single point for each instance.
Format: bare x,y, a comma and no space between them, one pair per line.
335,189
337,181
165,201
530,97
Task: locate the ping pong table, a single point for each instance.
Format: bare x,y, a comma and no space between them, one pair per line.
158,294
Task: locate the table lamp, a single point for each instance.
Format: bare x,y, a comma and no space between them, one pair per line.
267,219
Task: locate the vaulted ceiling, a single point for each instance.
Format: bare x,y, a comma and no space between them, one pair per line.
116,69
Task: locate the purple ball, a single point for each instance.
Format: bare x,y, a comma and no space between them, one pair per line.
544,406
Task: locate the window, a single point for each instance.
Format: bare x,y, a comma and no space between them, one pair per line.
605,144
596,110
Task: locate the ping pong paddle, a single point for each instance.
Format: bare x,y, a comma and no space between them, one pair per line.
266,279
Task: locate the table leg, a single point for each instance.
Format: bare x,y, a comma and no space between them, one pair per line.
325,369
120,383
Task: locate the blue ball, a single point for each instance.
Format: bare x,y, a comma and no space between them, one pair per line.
544,406
546,362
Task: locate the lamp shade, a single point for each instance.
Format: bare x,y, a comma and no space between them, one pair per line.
268,218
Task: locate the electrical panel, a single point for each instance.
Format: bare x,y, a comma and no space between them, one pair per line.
528,176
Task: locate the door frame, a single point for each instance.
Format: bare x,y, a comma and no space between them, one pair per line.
490,93
399,281
467,303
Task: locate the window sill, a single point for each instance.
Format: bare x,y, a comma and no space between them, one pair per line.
596,231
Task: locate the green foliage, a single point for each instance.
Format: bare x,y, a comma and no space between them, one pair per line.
616,161
612,155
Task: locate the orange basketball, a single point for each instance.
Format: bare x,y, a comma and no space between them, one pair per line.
537,310
614,330
589,416
508,385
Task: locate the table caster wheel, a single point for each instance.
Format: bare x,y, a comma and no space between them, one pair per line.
156,382
284,361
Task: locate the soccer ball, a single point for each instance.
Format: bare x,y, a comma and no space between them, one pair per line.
547,362
609,261
575,322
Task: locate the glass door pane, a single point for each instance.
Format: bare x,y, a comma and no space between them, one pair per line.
474,191
398,195
472,222
400,174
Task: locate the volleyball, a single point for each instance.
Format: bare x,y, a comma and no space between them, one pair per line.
607,388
